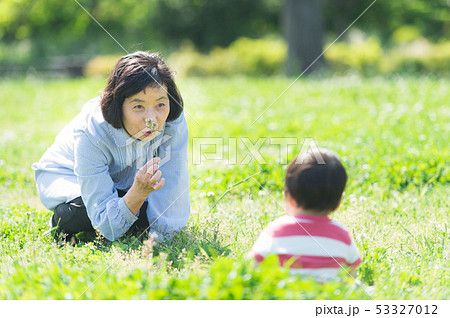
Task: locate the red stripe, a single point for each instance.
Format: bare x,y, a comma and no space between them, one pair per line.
258,257
316,218
314,229
304,261
356,263
311,261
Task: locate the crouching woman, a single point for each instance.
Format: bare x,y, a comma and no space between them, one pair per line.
122,161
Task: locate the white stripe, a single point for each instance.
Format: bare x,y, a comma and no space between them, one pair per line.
263,244
353,253
324,274
286,219
340,225
282,220
306,245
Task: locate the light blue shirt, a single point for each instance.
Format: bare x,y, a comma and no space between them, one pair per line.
93,159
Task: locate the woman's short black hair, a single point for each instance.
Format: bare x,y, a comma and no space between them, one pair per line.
133,73
316,181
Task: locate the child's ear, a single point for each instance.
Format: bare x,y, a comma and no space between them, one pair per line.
290,200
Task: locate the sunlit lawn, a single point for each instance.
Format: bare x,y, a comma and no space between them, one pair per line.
392,135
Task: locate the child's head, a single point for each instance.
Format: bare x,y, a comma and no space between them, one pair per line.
315,181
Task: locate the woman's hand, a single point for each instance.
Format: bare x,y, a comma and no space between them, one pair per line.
146,181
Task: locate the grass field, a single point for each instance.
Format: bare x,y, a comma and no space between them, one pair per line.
392,135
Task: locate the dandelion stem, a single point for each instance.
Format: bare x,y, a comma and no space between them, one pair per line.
230,187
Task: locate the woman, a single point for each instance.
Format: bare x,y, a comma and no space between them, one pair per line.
123,159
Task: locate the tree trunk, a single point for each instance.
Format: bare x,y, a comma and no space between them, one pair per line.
303,27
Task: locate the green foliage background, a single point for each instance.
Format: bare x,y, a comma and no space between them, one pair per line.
39,31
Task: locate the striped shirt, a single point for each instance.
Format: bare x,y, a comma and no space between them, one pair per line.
315,245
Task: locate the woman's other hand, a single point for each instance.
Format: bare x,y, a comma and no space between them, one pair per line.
147,180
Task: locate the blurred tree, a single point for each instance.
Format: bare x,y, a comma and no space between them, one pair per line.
36,20
54,27
58,28
209,23
432,18
303,26
42,28
304,22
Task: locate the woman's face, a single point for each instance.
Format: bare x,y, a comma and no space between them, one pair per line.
152,104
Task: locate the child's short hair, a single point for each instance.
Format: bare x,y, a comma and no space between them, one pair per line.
316,181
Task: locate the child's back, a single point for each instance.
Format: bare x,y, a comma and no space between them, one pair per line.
306,237
317,245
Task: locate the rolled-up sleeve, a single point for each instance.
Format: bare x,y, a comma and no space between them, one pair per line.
108,213
169,208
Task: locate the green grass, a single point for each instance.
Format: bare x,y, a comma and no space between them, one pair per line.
392,135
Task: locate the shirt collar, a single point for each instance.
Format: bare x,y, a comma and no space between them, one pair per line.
317,218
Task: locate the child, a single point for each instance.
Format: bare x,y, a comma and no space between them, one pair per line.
306,237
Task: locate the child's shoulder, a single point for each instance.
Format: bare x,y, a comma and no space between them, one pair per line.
339,225
281,226
282,221
288,226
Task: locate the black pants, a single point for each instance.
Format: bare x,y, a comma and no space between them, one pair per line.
72,218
